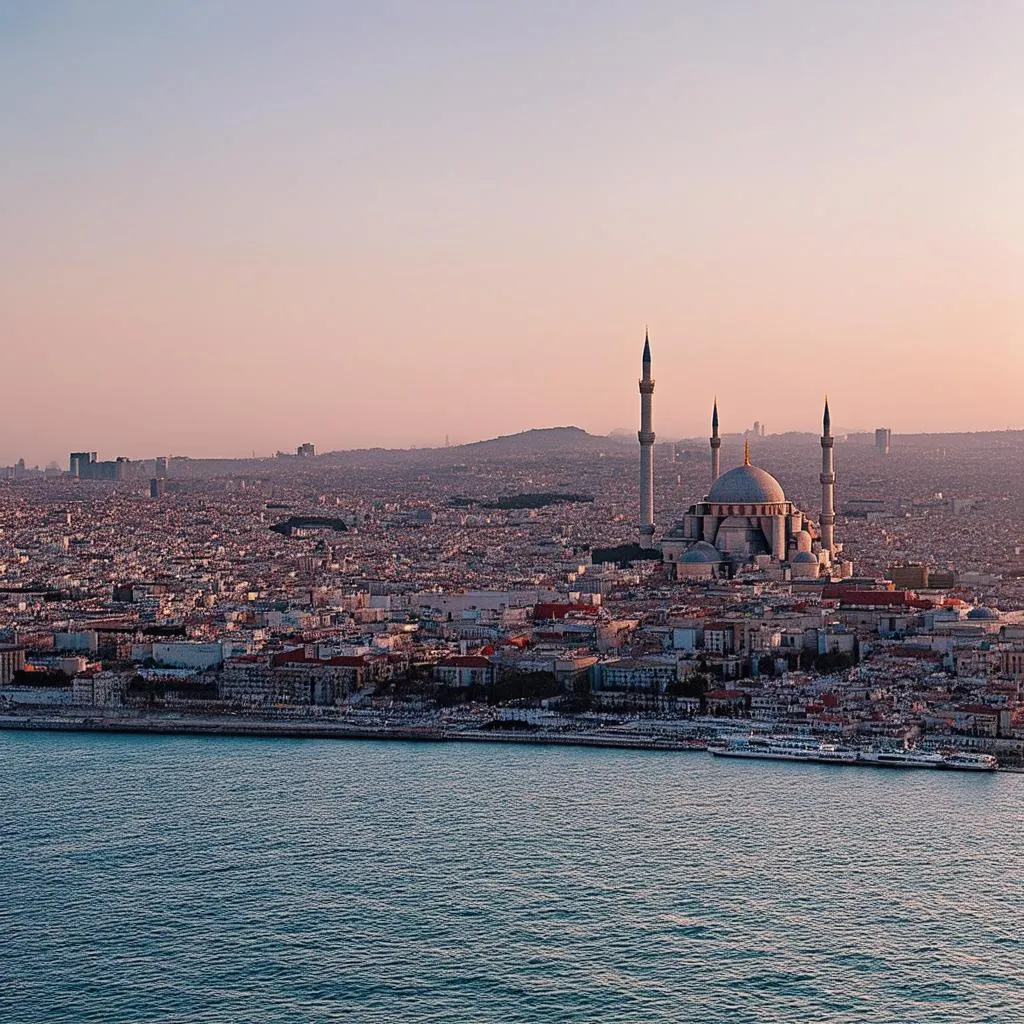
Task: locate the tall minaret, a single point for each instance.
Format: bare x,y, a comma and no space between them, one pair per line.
828,484
716,444
646,437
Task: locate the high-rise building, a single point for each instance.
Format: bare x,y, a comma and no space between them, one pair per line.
85,466
79,463
306,451
883,440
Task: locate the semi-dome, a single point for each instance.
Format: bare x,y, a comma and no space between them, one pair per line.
804,558
702,552
746,485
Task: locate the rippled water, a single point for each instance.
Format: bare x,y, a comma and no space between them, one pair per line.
219,880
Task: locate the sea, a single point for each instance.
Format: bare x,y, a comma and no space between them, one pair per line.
212,880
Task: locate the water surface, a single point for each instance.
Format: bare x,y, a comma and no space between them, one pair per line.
171,879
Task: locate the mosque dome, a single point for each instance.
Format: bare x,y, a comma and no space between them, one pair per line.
804,558
702,553
982,613
746,485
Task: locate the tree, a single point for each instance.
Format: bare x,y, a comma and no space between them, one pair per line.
514,684
833,661
694,685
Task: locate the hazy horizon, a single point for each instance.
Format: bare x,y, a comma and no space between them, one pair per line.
620,436
244,226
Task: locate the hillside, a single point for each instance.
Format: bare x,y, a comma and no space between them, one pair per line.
541,440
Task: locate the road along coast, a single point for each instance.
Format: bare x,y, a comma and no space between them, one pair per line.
285,729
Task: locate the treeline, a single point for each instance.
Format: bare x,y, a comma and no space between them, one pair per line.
309,522
51,678
623,554
510,685
158,689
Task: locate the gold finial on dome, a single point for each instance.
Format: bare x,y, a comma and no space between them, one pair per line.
746,453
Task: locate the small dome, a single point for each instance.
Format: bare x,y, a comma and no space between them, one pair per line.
747,485
702,553
804,558
982,613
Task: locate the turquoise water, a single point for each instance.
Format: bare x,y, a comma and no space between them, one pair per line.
220,880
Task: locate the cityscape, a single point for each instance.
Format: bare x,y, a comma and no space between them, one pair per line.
511,513
520,588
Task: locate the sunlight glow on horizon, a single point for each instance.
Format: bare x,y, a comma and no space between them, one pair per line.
249,224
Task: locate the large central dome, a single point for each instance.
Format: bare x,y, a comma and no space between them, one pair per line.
746,485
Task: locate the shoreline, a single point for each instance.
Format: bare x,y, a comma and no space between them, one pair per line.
330,731
267,729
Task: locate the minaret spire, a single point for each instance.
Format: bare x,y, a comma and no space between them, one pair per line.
746,452
716,443
646,438
828,483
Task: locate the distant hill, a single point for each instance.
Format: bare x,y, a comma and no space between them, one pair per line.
541,440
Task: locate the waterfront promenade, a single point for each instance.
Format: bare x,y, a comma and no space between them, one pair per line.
285,728
334,730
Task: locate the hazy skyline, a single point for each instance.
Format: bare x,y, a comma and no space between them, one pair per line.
243,225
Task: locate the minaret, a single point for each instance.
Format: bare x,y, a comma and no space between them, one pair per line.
646,438
716,444
828,484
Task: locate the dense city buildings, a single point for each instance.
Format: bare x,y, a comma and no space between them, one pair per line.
498,586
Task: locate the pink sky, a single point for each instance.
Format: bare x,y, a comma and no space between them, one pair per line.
245,225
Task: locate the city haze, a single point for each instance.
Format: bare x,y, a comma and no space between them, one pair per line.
244,226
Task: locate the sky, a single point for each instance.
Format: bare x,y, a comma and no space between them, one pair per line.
238,225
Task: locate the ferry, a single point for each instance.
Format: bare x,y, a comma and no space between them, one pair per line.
784,748
813,751
954,760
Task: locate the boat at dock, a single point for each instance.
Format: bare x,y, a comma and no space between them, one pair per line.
809,750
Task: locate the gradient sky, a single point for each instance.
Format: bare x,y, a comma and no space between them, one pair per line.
239,224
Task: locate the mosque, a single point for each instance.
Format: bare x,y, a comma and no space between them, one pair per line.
745,521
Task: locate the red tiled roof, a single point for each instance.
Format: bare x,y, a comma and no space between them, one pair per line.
464,661
560,611
978,709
